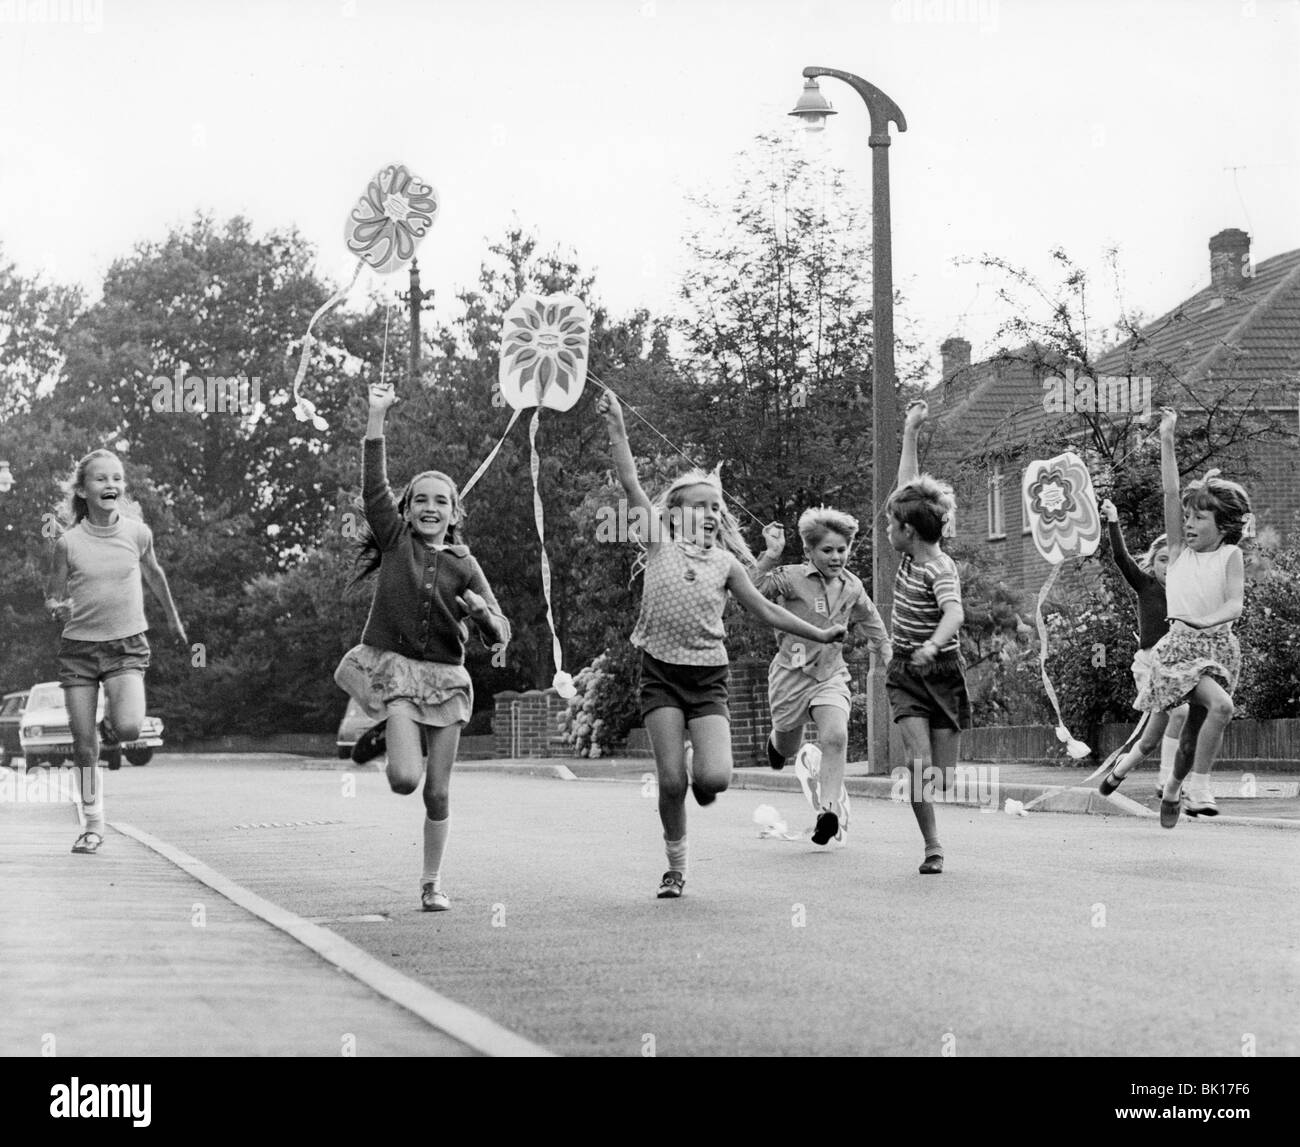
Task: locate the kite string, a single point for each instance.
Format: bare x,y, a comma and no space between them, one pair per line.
600,382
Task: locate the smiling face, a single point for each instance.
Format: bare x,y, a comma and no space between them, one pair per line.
102,486
431,509
1200,531
701,509
830,554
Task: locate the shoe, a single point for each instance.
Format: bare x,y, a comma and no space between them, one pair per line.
1169,811
1111,781
932,865
828,825
1201,806
371,744
107,734
1161,781
672,885
703,796
431,900
88,841
774,758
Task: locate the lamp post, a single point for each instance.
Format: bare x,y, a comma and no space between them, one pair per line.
813,109
415,299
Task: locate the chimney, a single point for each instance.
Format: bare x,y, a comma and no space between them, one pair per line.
956,357
1229,260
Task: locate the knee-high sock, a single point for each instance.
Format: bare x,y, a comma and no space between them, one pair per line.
676,852
92,798
435,844
1168,750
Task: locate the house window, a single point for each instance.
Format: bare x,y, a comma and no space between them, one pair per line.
997,504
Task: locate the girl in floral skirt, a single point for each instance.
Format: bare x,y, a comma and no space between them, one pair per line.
409,669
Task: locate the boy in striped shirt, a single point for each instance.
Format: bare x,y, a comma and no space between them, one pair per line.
926,681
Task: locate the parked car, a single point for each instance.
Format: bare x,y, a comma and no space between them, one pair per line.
11,711
354,723
46,738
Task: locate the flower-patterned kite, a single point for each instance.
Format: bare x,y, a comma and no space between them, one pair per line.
391,218
383,230
544,351
1061,511
1061,508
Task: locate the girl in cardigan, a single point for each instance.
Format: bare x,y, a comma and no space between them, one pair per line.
410,666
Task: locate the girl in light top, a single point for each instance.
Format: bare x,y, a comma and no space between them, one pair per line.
1199,660
95,588
694,556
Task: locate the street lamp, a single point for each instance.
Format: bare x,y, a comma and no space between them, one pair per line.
813,109
416,300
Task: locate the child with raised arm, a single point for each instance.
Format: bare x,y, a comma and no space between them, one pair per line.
926,680
1199,660
1147,577
808,679
95,588
694,556
409,669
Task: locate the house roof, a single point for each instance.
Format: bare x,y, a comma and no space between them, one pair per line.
1249,336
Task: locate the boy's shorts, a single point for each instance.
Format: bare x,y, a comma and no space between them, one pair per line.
90,662
934,692
792,695
697,690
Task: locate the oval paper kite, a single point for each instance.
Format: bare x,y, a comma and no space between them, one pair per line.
391,217
544,351
1061,511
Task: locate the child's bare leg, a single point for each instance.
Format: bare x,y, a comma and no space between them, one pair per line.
124,704
443,743
787,741
1152,731
405,760
1186,754
945,745
711,759
667,729
82,703
833,737
920,764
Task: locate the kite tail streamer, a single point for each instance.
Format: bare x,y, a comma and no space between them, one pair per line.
1077,749
1133,739
465,489
563,682
302,408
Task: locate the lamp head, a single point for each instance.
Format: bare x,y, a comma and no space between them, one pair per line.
6,478
813,107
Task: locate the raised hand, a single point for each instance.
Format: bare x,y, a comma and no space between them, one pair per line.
774,536
1108,510
382,396
1168,420
917,412
612,410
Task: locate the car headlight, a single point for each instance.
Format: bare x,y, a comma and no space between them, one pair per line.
33,731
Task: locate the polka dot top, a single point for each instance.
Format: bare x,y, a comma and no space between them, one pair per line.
682,603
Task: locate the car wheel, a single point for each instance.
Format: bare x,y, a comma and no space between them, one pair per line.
139,756
344,752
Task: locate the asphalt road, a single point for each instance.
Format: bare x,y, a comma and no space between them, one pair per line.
1050,935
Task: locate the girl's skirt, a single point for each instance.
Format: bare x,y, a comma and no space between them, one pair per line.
1144,661
1181,658
428,691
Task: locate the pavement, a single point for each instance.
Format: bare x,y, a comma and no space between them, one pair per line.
173,957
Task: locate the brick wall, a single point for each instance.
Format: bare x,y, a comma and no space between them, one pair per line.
524,724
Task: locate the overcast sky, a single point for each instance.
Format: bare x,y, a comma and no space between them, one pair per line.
1030,125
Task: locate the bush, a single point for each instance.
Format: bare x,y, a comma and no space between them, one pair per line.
604,708
1269,632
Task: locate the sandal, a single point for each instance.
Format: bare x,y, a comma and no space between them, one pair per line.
88,841
932,866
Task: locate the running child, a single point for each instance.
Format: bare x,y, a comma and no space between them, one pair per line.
1199,660
410,666
1147,577
809,679
925,681
694,556
95,588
